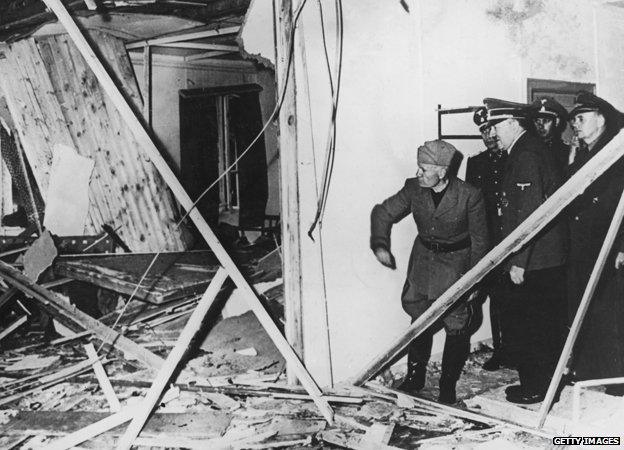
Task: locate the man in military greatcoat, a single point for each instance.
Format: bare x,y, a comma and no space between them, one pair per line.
452,238
599,352
536,275
485,171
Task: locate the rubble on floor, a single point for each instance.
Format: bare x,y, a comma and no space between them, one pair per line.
77,391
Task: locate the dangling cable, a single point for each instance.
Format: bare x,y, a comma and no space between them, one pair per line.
331,138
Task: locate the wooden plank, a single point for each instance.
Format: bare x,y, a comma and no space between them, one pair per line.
101,426
541,217
188,36
147,85
289,182
102,378
167,174
173,360
14,326
80,320
204,424
575,329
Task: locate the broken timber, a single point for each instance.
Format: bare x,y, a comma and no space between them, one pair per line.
144,139
575,329
75,318
533,224
175,356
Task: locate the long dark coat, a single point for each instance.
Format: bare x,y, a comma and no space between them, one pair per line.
599,352
531,176
460,214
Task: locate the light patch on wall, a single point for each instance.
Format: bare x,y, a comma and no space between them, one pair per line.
554,37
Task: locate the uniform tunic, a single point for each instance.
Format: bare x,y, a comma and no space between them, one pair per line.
459,216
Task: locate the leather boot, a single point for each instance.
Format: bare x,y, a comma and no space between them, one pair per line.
456,349
418,354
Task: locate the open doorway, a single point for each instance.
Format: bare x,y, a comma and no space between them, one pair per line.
216,127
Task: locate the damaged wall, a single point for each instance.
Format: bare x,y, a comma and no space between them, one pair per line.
170,74
397,68
54,98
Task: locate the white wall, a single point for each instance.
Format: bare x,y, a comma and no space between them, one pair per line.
397,68
170,75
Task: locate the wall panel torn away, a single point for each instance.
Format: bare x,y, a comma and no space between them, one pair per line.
54,98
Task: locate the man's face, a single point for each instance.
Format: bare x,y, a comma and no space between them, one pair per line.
545,127
505,133
587,125
489,138
429,175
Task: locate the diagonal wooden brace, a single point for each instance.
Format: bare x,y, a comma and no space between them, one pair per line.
575,329
541,217
148,146
76,319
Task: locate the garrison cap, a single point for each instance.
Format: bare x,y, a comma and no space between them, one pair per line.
548,107
480,117
437,152
499,110
586,102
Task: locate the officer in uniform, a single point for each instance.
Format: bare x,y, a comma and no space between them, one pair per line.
452,237
600,346
485,171
549,118
535,287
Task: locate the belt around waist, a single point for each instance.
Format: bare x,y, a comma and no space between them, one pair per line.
440,247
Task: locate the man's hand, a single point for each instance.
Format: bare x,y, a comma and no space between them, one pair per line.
385,257
516,274
619,260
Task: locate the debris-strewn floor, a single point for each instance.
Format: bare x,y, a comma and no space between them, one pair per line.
231,394
230,391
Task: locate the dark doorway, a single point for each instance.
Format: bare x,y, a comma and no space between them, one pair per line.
216,126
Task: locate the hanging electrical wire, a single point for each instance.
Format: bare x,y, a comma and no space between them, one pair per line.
274,114
331,137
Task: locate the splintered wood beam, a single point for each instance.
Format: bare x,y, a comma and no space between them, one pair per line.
152,151
14,326
102,378
575,329
79,320
175,356
181,37
533,224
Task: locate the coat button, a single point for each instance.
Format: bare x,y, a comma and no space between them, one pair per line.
576,218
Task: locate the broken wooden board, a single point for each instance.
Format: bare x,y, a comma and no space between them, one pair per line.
70,316
205,424
171,277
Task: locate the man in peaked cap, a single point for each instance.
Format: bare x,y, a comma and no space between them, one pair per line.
485,171
550,120
534,289
452,237
600,349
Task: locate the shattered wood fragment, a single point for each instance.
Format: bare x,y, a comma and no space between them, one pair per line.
105,384
14,326
196,425
173,360
78,319
99,427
